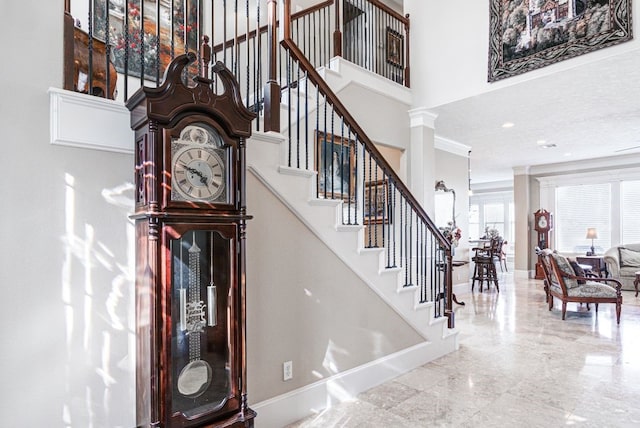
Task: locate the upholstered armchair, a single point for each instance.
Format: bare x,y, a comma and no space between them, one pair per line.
562,283
623,261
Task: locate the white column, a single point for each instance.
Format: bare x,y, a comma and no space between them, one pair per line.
421,157
523,217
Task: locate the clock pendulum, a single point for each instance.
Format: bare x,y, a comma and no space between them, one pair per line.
195,377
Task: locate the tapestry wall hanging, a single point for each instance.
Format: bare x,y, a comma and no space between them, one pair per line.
529,34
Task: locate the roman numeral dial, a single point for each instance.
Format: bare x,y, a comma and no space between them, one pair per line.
198,174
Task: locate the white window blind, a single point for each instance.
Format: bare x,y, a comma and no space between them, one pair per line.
578,208
630,211
494,217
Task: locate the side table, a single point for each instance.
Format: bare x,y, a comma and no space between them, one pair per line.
597,264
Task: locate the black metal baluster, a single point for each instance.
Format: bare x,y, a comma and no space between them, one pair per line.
419,259
368,37
157,47
224,32
379,41
357,200
393,211
289,62
376,207
107,50
407,263
424,260
246,40
126,52
306,119
173,29
90,49
141,44
349,195
384,207
333,142
325,31
411,241
298,119
258,61
319,139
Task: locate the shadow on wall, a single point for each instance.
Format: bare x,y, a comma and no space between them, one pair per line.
97,292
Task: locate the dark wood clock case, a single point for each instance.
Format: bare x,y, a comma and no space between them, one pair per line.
543,224
190,255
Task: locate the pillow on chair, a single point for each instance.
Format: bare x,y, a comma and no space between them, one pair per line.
578,271
566,269
629,258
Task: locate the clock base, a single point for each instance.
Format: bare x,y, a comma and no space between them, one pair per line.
539,271
239,420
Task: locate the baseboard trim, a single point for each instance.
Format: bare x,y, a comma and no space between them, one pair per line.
285,409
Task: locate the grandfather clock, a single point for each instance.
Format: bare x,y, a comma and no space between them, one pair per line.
542,223
190,218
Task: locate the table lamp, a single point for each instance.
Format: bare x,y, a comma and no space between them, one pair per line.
592,234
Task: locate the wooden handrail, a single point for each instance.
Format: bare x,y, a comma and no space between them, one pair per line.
388,10
311,9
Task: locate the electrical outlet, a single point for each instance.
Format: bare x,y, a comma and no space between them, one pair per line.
287,370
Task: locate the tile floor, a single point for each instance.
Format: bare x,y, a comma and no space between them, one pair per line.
518,365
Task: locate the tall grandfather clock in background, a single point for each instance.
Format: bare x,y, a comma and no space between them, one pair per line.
190,217
542,223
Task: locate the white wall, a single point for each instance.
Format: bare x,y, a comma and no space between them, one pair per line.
65,262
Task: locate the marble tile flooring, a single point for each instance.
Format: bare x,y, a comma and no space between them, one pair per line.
518,365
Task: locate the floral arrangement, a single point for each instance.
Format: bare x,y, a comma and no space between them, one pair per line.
452,233
491,233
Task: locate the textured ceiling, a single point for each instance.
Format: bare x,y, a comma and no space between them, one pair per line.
590,111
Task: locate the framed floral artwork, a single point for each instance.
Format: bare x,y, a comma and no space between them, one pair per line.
145,35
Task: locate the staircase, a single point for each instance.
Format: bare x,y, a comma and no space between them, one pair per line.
295,187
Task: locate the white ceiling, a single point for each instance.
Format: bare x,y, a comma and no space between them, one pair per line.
590,111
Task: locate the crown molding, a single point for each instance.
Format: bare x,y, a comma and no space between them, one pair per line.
451,146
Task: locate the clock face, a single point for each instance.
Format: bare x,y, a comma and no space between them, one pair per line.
542,222
199,170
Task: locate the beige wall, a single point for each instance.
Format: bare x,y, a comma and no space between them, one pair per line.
306,306
453,169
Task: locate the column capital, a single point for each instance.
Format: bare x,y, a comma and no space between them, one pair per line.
421,116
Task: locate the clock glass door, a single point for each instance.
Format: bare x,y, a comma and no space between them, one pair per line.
201,275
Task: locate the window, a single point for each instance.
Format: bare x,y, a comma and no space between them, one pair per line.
494,217
492,210
578,208
630,199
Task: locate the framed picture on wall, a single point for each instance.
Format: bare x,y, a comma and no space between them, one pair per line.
377,205
394,48
336,166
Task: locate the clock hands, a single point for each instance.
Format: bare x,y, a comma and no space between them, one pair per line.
203,178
